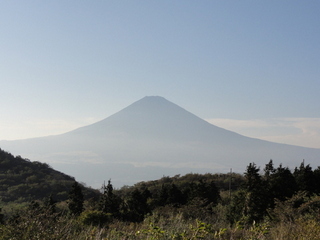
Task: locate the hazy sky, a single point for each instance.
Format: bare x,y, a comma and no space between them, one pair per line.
249,66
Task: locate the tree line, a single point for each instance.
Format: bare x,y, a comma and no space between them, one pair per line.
250,203
261,191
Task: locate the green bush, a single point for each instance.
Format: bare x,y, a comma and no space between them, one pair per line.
96,218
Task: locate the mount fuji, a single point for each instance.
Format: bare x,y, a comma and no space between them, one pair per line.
151,138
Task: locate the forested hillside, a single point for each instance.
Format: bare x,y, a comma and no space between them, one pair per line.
22,181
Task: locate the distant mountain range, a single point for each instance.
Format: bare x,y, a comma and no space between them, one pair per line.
151,138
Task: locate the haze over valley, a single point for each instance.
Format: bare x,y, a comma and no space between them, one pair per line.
151,138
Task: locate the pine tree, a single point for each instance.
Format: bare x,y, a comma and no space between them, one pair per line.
75,199
163,195
282,184
175,196
109,202
269,170
305,178
256,200
316,174
137,206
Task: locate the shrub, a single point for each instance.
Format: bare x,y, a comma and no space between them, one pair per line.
96,218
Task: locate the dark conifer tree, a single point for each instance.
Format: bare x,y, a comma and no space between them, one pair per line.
282,184
304,178
253,178
76,199
163,195
109,202
175,196
213,193
269,170
316,174
137,206
256,200
146,193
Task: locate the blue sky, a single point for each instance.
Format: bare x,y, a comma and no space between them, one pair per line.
248,66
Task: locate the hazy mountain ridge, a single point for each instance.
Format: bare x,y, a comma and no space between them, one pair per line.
151,138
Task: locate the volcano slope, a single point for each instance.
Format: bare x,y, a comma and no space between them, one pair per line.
151,138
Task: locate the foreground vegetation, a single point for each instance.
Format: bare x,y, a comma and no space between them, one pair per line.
275,203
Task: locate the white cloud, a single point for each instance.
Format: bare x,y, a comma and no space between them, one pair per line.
297,131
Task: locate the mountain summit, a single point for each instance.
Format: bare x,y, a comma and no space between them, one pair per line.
151,138
152,117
